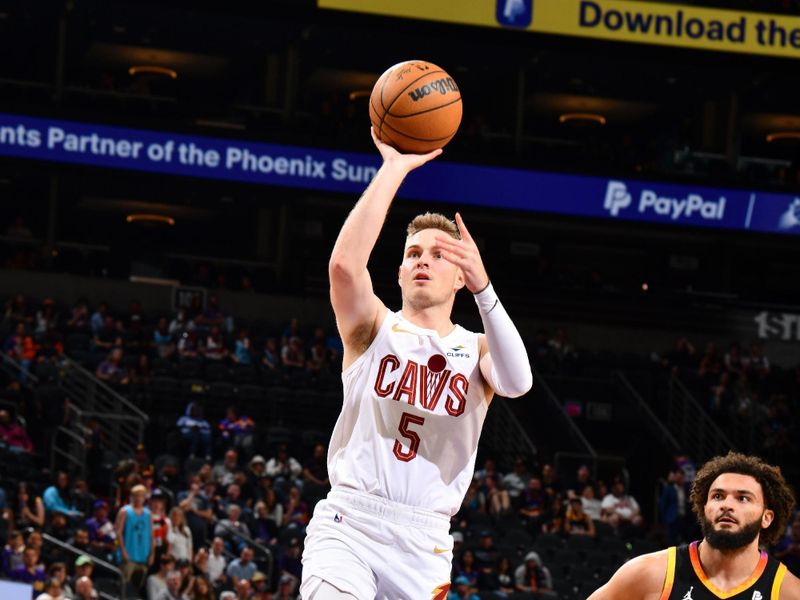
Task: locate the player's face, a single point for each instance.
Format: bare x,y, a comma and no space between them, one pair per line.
734,512
425,277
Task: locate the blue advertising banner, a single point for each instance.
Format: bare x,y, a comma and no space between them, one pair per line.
439,181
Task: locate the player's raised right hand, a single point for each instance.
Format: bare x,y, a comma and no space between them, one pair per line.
407,162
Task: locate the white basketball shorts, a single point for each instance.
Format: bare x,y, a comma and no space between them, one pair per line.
371,547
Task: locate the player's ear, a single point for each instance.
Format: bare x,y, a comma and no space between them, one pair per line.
460,280
767,518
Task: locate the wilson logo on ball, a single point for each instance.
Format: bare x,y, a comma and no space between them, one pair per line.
442,86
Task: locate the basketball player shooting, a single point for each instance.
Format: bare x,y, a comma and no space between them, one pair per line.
742,504
416,391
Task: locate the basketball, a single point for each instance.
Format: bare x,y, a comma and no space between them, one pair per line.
415,107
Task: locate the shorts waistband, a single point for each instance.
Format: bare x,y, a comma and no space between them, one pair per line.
397,512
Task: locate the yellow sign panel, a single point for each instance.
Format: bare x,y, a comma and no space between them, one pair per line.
614,20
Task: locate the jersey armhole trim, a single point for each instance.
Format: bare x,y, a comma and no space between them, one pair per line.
669,579
378,336
777,582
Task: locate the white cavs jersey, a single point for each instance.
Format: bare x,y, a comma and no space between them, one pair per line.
414,405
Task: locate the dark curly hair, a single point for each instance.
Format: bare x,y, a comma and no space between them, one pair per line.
778,496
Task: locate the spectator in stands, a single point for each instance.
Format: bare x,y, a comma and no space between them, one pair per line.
293,359
46,319
58,571
466,566
98,318
682,358
315,474
35,540
261,587
733,360
757,365
201,589
474,501
489,470
272,507
135,534
107,336
223,473
180,324
29,509
534,505
237,431
112,370
55,497
486,553
233,495
242,349
500,580
232,529
84,589
84,566
52,590
189,347
30,571
81,497
462,590
173,591
710,365
516,481
214,348
551,482
561,349
319,360
788,549
17,311
102,536
271,359
196,505
576,521
583,477
532,575
163,340
673,507
196,431
59,527
591,505
265,529
80,540
13,553
722,398
186,569
498,499
290,331
242,567
295,510
212,315
217,562
21,347
79,317
621,510
158,515
14,434
285,470
179,536
291,564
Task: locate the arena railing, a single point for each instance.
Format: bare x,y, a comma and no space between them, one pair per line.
693,426
98,562
505,435
656,425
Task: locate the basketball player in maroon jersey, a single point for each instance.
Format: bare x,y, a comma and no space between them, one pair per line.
742,505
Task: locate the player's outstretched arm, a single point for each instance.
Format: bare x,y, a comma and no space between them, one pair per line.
504,360
358,310
642,578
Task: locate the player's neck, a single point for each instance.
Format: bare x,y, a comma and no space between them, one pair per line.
729,565
436,318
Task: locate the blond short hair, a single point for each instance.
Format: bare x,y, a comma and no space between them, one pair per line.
431,220
138,488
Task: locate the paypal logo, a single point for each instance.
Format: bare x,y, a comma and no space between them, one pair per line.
617,197
514,13
791,218
693,205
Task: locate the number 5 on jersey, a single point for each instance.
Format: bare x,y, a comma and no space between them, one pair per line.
400,452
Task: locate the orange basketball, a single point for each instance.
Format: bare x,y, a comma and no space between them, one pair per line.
415,106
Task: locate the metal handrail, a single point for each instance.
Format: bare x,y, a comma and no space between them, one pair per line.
98,561
80,461
18,367
251,542
124,402
709,422
643,407
574,429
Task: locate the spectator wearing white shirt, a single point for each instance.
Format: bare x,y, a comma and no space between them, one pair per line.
619,508
179,536
217,562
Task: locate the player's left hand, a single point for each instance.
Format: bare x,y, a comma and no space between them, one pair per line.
464,253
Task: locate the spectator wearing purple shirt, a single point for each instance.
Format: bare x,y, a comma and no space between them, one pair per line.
102,537
111,370
30,571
